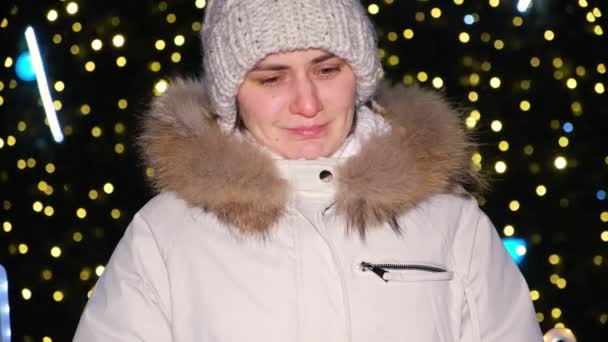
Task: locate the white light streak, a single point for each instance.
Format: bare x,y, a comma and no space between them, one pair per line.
524,5
43,86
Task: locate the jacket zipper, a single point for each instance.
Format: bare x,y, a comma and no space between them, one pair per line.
381,269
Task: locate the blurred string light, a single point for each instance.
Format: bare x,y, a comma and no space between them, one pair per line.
43,86
516,247
524,5
5,325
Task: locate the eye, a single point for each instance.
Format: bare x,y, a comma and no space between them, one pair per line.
271,80
328,71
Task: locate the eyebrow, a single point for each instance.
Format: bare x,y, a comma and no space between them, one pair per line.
278,67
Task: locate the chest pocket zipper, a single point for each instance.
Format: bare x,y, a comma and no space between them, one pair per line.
384,271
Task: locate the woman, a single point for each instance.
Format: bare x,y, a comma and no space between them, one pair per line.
293,208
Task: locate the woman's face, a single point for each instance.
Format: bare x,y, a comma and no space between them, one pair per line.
299,104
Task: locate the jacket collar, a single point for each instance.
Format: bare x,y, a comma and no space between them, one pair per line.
425,152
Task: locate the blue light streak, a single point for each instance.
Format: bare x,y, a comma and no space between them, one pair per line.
43,86
5,322
517,248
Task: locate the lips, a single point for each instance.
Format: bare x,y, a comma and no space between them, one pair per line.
307,131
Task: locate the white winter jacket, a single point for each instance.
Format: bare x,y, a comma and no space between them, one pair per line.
378,246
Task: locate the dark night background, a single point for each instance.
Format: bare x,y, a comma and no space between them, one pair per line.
63,207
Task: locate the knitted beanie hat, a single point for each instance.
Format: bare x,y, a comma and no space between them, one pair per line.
236,34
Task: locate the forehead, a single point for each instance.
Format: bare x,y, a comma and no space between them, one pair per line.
296,57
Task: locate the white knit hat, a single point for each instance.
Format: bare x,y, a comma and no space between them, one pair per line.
236,34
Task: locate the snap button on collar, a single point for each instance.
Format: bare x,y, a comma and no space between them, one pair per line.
326,176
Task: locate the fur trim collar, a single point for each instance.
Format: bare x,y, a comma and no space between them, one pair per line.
426,152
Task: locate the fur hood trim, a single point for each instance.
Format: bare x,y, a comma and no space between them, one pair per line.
426,152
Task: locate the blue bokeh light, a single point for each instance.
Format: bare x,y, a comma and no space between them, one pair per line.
600,195
517,248
24,67
469,19
568,127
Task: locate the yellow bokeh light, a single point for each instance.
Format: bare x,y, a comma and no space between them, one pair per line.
473,96
7,226
49,211
503,146
96,132
26,294
556,313
121,61
474,79
540,317
55,252
500,167
200,4
23,248
72,8
458,2
161,86
604,216
59,86
52,15
422,76
119,148
90,66
8,62
571,83
108,188
408,33
508,230
563,142
93,194
494,3
549,35
81,213
77,27
77,236
558,62
597,29
599,88
74,49
535,62
37,206
464,37
373,9
21,164
601,68
583,3
560,163
179,40
176,57
437,82
160,44
47,275
21,126
514,205
525,105
534,295
499,44
604,236
49,168
541,190
171,18
47,339
393,60
517,21
85,274
496,126
554,259
118,40
435,12
598,260
123,103
57,105
58,296
115,214
99,270
96,44
495,82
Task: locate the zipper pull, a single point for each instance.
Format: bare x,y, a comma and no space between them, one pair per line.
366,266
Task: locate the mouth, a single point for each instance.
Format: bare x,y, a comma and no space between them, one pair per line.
308,131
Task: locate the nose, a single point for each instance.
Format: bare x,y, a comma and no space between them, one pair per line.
305,101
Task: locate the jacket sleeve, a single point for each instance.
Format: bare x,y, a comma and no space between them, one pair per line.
128,302
498,298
